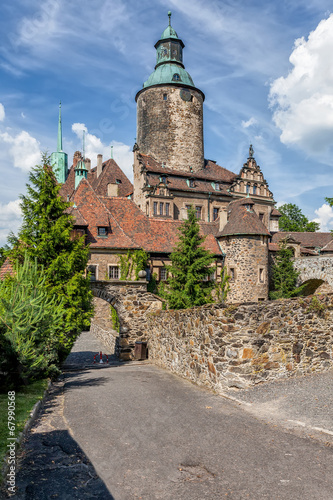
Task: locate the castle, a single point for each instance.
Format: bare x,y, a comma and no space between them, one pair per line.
236,212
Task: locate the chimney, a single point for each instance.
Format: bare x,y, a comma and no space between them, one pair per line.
99,164
76,158
88,164
223,218
113,189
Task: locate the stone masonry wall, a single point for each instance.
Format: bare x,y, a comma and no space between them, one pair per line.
102,327
242,345
171,129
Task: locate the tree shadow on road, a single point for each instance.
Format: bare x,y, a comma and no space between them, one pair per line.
52,465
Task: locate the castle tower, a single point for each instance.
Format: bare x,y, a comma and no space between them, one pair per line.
59,160
170,109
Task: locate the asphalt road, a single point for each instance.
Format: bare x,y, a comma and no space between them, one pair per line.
143,433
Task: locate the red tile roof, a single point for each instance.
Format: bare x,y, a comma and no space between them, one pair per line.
211,171
309,240
6,269
111,173
242,220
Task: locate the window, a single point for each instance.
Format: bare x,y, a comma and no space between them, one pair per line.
161,192
165,97
217,186
188,207
261,275
215,213
261,217
176,77
118,181
191,183
92,269
167,209
155,207
163,179
198,212
163,274
113,272
232,274
147,208
161,208
247,188
102,231
254,189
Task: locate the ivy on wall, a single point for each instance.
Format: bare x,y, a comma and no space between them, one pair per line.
132,261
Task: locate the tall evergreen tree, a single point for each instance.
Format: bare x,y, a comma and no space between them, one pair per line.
190,266
284,275
46,235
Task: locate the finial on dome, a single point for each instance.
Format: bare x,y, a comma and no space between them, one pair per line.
169,14
251,151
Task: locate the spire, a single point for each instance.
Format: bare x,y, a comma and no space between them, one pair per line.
169,14
111,152
59,144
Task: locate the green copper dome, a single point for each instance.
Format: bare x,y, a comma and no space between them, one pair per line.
169,73
169,61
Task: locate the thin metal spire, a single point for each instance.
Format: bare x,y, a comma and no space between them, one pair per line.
169,14
59,143
111,152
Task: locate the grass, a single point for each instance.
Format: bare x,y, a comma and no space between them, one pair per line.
25,399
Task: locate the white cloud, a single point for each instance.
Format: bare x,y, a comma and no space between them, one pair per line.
2,112
10,219
303,100
122,153
249,123
325,217
23,149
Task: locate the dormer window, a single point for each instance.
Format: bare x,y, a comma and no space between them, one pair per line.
217,186
176,77
102,231
191,183
118,181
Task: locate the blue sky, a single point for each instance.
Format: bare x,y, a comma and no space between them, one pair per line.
264,66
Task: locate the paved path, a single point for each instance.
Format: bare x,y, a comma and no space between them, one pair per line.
134,431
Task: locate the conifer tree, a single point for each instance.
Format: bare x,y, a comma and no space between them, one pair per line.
284,275
46,234
190,266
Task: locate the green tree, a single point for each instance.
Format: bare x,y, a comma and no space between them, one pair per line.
293,220
190,265
30,325
284,275
46,235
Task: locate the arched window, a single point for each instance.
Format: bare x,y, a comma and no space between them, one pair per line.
247,188
176,77
254,189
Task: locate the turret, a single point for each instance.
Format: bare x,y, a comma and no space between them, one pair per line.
170,109
81,171
59,160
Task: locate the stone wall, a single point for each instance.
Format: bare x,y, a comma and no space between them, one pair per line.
102,327
320,268
171,129
242,345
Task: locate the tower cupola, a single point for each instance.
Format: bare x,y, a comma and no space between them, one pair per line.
81,171
170,109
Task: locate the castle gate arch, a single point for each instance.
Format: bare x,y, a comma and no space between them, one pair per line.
315,272
132,303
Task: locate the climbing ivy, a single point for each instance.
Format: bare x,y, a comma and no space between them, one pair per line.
114,319
134,260
222,287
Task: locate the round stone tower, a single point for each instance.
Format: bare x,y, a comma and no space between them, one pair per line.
170,109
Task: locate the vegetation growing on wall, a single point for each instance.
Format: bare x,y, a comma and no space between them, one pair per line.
114,319
132,261
222,287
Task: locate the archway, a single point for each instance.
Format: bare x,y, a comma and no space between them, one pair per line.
311,286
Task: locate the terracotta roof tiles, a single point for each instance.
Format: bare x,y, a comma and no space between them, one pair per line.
309,240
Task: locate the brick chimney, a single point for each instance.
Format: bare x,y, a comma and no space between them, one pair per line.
77,157
223,218
99,164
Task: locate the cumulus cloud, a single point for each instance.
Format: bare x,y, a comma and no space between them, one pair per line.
324,217
249,123
23,149
122,153
2,112
10,219
303,100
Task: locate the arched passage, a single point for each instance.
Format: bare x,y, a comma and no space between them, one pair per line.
132,303
311,285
